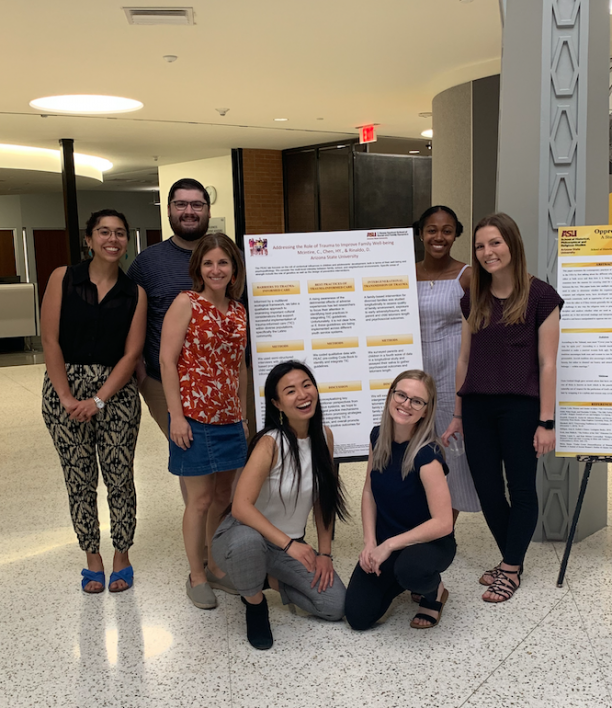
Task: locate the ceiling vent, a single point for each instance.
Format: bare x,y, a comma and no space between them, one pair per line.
159,15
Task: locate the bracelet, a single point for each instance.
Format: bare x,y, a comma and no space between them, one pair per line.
245,420
458,416
327,555
288,546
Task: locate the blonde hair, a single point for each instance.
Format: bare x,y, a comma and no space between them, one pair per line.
515,306
424,432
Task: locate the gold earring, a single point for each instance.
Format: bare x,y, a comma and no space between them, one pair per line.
281,417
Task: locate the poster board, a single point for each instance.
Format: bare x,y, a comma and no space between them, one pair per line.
584,364
344,303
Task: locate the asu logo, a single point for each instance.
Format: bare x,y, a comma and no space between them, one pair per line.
371,234
569,233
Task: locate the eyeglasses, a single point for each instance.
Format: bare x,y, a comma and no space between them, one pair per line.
105,233
180,205
417,403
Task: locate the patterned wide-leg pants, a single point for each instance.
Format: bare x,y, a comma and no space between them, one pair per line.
112,433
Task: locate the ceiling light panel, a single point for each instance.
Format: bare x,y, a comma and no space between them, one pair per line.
159,15
86,105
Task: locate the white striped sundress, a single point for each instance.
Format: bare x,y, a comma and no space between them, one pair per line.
441,336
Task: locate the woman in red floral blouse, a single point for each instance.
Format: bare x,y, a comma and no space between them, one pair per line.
204,378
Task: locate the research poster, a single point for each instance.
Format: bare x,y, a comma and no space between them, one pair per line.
345,304
584,367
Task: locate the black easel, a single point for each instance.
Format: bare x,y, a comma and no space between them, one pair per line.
589,459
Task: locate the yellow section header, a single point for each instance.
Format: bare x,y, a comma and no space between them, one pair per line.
340,387
342,343
603,453
579,330
585,265
291,345
389,340
380,384
585,241
288,287
347,285
392,282
588,404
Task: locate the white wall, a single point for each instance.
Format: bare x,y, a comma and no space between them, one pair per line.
214,171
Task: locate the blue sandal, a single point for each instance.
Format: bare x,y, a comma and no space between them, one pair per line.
127,575
96,577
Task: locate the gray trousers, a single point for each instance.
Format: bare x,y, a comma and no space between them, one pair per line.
247,557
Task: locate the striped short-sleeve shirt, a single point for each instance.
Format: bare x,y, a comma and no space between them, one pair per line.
162,270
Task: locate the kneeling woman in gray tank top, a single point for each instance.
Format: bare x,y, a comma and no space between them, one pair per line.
289,471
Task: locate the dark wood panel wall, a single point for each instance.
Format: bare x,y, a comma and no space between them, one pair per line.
8,264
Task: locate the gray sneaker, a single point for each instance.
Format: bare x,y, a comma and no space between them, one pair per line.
201,595
223,583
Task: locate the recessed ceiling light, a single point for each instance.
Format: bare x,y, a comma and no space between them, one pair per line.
90,105
427,133
414,152
281,120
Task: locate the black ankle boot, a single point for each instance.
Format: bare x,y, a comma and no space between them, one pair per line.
259,633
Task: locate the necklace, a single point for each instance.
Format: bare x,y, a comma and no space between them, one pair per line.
427,274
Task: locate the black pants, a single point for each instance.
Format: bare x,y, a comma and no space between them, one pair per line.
415,568
501,429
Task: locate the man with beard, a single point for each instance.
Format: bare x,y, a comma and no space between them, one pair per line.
163,271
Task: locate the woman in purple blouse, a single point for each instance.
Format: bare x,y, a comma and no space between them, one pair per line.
505,384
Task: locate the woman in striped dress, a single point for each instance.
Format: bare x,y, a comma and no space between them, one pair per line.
441,284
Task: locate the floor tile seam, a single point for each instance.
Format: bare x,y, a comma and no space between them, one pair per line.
590,641
513,650
38,394
230,673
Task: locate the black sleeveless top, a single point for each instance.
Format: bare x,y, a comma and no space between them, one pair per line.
93,332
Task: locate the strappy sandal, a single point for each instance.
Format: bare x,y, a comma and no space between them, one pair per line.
504,586
493,573
436,606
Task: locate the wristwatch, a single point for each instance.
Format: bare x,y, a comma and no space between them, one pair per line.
99,403
547,424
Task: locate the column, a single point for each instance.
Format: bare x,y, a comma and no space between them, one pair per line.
552,172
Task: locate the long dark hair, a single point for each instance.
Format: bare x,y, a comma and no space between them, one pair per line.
327,488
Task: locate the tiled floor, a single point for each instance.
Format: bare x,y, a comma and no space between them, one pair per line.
151,647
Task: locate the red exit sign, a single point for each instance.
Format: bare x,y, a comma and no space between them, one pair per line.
367,134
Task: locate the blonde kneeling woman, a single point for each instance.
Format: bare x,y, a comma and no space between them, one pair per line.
405,509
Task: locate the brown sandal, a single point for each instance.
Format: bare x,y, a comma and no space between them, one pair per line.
436,605
504,586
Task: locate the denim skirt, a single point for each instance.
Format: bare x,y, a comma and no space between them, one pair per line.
214,448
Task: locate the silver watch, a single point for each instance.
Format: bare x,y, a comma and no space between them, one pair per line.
99,403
